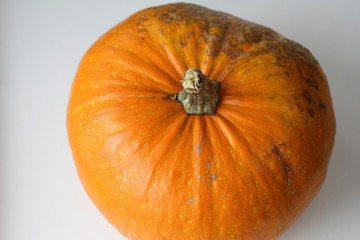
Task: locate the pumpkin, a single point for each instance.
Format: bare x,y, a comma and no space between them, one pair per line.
188,123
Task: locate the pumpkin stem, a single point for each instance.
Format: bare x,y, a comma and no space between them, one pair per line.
199,93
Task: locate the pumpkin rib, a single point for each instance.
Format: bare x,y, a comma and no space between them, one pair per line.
241,182
227,71
179,171
221,156
257,134
244,104
254,166
212,176
207,61
165,41
246,76
162,45
166,147
231,130
151,53
185,42
116,79
186,53
221,66
145,181
193,139
147,53
231,63
250,121
118,97
161,151
153,120
197,46
214,43
167,81
172,50
198,144
175,73
181,65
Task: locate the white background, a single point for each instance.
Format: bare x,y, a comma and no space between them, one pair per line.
41,44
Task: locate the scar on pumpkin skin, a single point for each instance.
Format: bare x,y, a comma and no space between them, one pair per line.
213,177
198,147
208,164
286,167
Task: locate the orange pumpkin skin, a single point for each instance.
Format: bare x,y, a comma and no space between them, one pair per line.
246,172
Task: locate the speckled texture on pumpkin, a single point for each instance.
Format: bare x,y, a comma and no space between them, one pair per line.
155,172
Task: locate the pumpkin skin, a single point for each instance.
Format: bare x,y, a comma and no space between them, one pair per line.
155,172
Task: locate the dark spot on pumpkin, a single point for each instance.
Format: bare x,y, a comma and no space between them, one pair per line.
299,71
166,20
143,18
142,30
252,37
267,156
311,112
312,83
301,109
182,44
322,106
275,150
213,41
232,51
306,94
171,14
286,167
278,62
188,34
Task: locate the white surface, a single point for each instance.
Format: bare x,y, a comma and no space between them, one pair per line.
41,44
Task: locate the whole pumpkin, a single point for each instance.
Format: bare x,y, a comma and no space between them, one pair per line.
187,123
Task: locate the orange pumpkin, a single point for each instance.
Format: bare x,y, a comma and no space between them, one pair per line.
187,123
